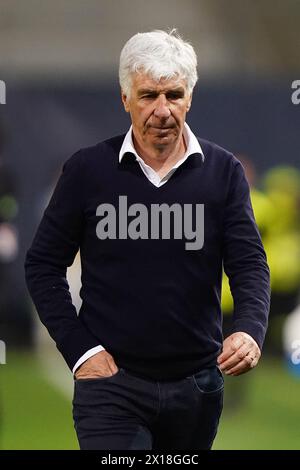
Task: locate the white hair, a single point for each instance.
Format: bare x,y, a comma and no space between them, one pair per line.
159,54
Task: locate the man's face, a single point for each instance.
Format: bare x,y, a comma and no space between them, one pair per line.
157,110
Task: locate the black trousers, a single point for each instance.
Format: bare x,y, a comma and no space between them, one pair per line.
128,412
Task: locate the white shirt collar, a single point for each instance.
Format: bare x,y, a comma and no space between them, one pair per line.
191,141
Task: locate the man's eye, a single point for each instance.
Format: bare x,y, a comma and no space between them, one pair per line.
174,96
151,97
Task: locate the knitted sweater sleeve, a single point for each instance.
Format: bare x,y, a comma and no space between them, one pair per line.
53,249
244,259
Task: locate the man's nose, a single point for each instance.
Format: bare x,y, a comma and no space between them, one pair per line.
161,109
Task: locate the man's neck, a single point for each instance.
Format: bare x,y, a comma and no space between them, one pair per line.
161,159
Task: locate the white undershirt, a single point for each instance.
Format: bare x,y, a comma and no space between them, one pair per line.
192,145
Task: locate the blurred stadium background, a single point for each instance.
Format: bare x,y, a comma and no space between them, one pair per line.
59,60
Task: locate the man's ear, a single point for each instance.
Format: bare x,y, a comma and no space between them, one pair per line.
125,101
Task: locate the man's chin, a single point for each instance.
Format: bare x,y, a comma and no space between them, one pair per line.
162,142
163,138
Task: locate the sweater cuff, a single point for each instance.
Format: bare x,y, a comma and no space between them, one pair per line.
254,329
86,356
75,344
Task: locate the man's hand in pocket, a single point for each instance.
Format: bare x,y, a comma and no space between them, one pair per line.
102,364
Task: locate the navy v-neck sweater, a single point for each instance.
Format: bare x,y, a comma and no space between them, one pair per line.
151,302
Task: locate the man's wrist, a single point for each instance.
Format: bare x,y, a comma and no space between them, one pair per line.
86,356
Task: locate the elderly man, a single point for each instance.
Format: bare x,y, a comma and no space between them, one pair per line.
156,213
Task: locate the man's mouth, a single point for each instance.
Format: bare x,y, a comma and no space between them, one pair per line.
162,128
159,131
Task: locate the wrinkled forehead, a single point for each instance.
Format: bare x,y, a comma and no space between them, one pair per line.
141,80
